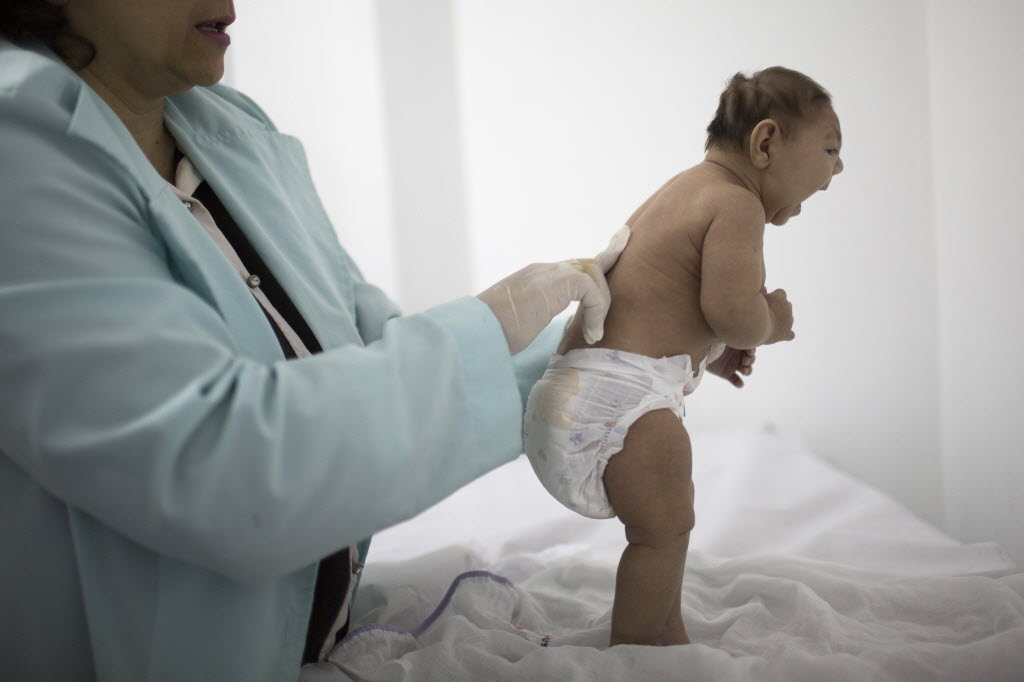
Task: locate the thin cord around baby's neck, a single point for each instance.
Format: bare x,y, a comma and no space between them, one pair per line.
734,174
722,165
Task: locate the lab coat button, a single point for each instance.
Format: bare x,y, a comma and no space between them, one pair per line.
357,567
253,281
188,205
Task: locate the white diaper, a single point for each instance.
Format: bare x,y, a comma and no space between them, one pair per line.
579,412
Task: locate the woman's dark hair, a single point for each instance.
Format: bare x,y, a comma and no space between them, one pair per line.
776,92
28,21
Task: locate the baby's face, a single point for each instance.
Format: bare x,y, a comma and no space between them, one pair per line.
802,164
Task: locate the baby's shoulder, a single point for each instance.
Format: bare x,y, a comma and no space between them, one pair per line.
696,191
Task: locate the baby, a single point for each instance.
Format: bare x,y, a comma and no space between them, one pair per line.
687,291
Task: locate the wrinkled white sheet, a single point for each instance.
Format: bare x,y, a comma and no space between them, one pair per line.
796,572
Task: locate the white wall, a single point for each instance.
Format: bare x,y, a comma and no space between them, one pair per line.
369,87
318,75
425,142
976,54
453,141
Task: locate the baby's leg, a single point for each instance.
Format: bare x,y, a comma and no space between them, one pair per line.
675,632
648,485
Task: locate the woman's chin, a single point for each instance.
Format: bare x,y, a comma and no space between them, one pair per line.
211,77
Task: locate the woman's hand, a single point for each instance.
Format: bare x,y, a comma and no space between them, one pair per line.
732,363
526,301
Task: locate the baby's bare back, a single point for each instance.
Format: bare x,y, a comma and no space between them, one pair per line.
655,285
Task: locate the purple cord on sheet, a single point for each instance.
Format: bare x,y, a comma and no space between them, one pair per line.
437,611
373,626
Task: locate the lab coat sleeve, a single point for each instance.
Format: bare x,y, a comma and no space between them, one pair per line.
374,309
531,362
122,393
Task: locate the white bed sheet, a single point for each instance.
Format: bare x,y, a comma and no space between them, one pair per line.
796,572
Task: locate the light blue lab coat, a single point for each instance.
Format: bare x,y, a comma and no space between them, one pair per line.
167,481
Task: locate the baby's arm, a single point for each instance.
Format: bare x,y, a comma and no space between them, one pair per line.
733,298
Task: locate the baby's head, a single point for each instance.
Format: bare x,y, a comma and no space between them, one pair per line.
782,122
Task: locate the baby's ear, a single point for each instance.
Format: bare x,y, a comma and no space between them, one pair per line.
762,137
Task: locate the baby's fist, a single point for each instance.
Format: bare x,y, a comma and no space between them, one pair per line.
782,316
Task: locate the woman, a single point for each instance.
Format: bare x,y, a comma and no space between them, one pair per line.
204,405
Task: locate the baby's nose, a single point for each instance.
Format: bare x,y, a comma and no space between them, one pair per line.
839,167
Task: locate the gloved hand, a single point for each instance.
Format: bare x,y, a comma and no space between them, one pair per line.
526,301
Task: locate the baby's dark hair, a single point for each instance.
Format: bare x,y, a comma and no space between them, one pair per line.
776,92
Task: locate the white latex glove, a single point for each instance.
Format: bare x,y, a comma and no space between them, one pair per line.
526,301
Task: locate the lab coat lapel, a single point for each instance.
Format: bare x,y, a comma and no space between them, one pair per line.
262,178
192,255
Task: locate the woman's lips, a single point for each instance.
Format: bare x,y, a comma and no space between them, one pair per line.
214,29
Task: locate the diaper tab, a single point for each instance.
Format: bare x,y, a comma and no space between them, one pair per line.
673,369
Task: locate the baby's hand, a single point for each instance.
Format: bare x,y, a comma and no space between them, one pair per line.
782,316
732,363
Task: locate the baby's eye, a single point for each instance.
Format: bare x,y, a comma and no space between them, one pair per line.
832,152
